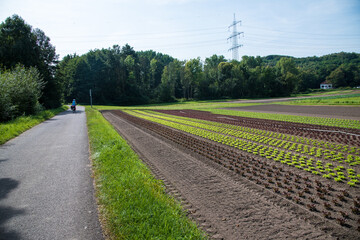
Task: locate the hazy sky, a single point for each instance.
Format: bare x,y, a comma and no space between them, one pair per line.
188,29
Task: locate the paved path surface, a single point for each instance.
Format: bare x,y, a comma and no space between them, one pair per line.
46,189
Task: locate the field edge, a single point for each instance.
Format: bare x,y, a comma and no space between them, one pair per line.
130,199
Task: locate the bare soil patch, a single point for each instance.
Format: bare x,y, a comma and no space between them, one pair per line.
342,112
215,187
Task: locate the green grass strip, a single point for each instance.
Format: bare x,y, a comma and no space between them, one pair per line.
132,202
11,129
197,105
319,92
349,99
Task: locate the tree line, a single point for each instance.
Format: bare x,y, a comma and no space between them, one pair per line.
123,76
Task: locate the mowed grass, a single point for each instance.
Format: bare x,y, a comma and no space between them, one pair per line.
197,105
11,129
351,99
326,92
132,203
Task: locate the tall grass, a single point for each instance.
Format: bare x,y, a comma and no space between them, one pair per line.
11,129
132,202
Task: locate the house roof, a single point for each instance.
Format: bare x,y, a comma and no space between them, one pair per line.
326,82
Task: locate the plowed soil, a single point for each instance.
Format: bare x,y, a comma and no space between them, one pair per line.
225,204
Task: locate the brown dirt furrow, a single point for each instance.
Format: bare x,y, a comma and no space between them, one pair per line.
224,207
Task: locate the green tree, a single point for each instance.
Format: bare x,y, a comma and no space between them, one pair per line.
19,43
65,74
240,74
270,82
167,87
289,75
172,76
345,75
251,61
307,80
192,77
225,81
209,86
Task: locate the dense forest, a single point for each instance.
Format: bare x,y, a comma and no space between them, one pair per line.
123,76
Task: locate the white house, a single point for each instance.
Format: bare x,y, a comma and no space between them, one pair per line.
325,85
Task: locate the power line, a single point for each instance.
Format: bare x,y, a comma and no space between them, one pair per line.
302,33
190,31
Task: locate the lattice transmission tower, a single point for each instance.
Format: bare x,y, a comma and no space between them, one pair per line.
234,37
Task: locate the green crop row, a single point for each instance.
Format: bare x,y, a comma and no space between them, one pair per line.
286,145
286,137
338,173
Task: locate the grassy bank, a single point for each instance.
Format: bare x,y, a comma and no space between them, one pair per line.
19,125
132,202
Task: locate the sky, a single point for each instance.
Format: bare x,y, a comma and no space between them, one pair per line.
187,29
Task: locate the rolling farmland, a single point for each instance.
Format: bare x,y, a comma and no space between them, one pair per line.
308,173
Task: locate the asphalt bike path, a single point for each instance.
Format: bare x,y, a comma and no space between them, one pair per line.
46,189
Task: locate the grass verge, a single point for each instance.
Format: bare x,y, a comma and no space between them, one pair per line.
11,129
132,203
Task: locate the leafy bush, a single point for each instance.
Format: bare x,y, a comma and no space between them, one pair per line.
20,90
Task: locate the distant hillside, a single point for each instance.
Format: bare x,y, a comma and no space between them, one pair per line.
334,59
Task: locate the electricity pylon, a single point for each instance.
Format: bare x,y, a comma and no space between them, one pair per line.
234,36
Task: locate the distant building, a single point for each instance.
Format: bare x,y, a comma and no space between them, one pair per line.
325,85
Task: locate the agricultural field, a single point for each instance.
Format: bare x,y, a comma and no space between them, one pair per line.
242,176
